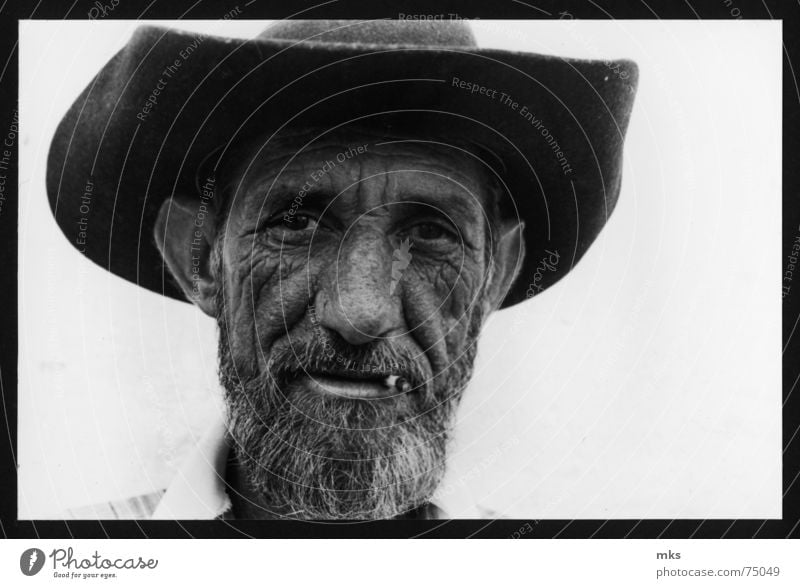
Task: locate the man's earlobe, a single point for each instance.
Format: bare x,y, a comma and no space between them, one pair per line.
510,253
184,234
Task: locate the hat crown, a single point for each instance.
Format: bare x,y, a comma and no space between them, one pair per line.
424,33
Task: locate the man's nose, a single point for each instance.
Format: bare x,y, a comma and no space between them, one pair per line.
354,299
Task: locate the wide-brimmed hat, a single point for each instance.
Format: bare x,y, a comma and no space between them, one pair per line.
142,130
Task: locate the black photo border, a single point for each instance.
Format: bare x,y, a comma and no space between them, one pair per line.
786,527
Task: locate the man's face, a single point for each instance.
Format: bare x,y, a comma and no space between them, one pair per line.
352,280
388,246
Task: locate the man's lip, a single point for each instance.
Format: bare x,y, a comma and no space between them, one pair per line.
343,386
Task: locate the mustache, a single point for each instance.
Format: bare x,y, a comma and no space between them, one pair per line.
328,353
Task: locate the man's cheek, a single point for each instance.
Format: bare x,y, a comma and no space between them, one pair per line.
280,301
251,274
451,285
427,291
433,279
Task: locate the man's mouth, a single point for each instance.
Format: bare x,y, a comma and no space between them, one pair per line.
364,387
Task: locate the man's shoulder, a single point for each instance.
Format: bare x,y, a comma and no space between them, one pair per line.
135,507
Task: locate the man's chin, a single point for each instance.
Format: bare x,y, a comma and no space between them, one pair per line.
329,457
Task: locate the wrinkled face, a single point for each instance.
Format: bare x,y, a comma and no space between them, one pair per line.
351,281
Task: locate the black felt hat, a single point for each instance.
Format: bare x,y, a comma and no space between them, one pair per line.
168,100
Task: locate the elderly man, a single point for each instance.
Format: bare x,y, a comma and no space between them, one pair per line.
349,201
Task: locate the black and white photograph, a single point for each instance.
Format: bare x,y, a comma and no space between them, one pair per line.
424,274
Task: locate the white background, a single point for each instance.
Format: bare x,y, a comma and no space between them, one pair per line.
646,384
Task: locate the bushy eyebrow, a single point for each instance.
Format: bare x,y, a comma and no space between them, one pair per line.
462,207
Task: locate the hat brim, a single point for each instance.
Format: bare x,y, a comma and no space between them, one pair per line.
142,128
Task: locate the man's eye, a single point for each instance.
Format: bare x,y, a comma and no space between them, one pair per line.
429,232
294,222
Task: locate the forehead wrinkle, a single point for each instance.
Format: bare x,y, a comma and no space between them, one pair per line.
436,173
414,151
262,168
410,172
434,188
377,178
454,155
278,181
268,174
291,158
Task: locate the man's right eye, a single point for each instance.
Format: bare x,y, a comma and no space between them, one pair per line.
293,222
297,222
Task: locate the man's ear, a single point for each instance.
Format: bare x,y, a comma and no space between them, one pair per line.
509,255
185,237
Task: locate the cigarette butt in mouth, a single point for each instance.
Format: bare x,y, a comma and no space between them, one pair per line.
400,383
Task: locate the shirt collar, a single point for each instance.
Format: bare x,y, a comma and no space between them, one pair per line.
198,489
